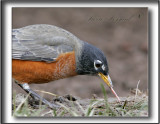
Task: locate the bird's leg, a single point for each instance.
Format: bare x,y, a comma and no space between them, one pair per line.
34,95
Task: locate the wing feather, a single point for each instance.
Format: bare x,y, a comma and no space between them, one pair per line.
32,44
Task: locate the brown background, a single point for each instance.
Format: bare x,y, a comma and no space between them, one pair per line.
121,33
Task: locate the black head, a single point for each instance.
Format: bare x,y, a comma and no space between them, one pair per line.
92,61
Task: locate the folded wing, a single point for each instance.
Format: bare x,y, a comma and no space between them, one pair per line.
39,44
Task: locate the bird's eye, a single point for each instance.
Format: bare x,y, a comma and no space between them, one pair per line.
98,65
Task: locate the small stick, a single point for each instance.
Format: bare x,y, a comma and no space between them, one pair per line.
137,89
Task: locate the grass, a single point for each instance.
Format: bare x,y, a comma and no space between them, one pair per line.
24,110
132,106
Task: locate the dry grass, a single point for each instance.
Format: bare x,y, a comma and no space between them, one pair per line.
132,106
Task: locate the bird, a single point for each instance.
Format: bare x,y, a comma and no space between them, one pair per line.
42,53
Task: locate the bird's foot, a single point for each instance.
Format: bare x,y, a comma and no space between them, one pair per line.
38,99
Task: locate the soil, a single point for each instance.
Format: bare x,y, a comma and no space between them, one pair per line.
121,33
72,106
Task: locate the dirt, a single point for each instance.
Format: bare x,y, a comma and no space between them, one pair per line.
73,106
121,33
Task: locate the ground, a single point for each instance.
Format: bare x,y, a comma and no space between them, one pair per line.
73,106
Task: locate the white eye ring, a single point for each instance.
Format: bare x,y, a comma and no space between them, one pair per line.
97,62
103,67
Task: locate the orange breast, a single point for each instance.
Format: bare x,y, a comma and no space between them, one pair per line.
42,72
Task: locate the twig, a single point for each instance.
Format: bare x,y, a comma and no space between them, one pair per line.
46,92
49,112
137,89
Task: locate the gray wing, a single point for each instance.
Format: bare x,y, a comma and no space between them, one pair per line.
38,43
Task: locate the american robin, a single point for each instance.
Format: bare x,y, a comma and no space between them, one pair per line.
42,53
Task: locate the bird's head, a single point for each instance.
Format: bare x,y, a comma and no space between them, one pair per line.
92,61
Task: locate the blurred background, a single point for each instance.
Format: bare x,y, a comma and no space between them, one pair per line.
121,33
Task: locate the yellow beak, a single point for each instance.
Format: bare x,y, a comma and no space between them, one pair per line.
108,81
